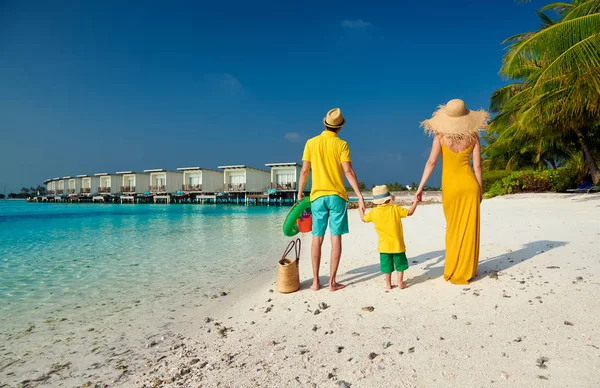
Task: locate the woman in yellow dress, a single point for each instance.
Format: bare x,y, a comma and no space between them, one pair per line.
456,138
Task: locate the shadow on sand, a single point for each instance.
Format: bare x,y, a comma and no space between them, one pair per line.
371,271
435,268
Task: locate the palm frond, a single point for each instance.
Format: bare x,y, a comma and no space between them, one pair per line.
546,21
582,57
583,8
558,7
550,42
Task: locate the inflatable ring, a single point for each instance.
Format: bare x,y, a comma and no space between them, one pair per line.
290,226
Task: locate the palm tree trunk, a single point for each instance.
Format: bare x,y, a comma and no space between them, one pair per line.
589,157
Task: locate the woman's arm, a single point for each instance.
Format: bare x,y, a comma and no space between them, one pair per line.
436,149
477,166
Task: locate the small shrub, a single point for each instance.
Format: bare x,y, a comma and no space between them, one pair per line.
534,182
491,177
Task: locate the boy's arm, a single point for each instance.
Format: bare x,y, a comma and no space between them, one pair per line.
362,214
412,209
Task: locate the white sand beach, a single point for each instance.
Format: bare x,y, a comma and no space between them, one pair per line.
535,324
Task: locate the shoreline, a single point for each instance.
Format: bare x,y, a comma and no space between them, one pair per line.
254,337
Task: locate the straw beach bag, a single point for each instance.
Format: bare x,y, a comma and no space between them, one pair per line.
288,276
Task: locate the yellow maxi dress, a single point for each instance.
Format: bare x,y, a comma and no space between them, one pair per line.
461,200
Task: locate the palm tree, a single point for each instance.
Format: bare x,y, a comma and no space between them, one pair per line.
557,79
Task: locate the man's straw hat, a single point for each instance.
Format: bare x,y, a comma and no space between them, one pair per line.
381,194
334,118
455,121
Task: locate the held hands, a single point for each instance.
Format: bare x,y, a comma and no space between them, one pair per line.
361,204
419,195
300,196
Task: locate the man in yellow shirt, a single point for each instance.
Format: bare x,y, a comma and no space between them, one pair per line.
387,218
329,157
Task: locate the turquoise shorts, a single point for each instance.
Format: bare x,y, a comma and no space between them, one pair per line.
332,209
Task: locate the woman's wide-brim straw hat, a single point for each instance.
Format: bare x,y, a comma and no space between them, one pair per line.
381,194
455,121
334,119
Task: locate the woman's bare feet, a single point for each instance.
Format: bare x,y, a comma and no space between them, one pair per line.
335,286
388,286
402,286
315,286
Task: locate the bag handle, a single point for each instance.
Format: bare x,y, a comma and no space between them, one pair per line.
297,249
296,246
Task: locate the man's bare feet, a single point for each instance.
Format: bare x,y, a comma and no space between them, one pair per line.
402,286
315,286
335,286
388,286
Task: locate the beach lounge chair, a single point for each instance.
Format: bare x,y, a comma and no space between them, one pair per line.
585,187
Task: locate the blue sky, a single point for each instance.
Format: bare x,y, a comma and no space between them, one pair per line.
105,86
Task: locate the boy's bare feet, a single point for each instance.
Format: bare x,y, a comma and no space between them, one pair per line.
388,286
315,286
402,286
335,286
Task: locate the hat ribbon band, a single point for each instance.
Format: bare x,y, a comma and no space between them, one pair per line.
381,195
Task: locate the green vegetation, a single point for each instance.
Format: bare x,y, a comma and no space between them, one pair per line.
533,182
491,177
548,116
27,192
395,187
1,196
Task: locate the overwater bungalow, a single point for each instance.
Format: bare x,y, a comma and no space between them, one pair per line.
241,178
133,183
89,185
164,181
285,177
73,186
60,186
284,181
50,186
201,180
108,184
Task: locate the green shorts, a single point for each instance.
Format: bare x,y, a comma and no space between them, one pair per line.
388,261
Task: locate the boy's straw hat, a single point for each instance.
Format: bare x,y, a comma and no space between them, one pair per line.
455,121
334,118
381,194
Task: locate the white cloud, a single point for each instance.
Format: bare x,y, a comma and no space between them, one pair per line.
358,23
230,81
225,81
293,137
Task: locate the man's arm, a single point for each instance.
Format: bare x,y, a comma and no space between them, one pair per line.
351,177
303,178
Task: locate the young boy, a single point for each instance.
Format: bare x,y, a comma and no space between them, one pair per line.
387,219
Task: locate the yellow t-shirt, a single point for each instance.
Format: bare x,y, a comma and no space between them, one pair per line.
326,153
388,224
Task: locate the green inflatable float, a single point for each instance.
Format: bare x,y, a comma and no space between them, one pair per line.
290,226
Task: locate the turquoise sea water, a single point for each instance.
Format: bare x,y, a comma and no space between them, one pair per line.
70,255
